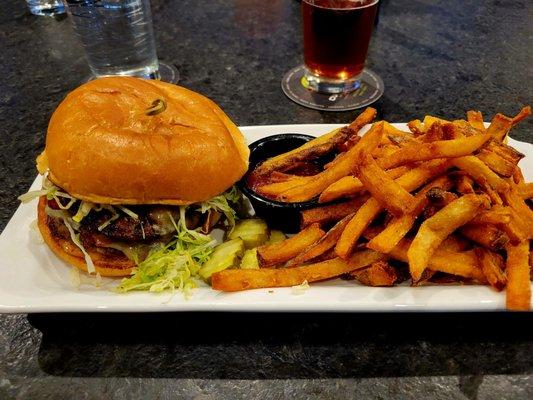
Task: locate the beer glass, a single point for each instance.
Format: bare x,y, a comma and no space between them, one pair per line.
336,38
336,35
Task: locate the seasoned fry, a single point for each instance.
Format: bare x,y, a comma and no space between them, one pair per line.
496,162
384,189
454,244
518,284
486,235
497,215
525,215
475,118
478,170
451,262
379,273
465,184
232,280
337,171
499,127
317,147
368,211
350,186
324,244
435,229
398,227
526,190
278,253
416,127
431,150
331,213
492,265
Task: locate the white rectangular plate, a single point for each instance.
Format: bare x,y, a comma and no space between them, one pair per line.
32,279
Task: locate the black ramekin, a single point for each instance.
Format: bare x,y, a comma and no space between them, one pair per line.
278,215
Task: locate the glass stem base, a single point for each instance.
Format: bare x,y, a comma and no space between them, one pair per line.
327,85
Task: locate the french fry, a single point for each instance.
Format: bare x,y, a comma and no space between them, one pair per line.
492,265
345,167
518,295
486,235
322,245
526,190
398,227
384,189
496,162
497,215
317,147
499,127
429,120
276,189
514,228
379,273
368,211
454,244
481,173
366,117
350,186
513,199
278,253
475,118
365,257
431,150
434,230
451,262
508,153
416,127
331,213
232,280
465,184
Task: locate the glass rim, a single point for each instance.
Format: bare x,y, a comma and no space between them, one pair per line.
311,2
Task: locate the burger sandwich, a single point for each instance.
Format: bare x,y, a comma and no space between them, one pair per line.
136,173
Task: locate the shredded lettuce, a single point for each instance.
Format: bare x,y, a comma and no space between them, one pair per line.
222,203
174,265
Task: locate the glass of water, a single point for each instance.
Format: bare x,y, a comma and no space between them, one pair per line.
118,38
46,7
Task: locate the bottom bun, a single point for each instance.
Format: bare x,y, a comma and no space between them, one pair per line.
66,250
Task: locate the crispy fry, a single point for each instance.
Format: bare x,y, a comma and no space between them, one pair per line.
514,229
322,245
274,190
344,187
280,252
368,211
518,285
456,263
384,189
506,152
379,273
345,167
475,118
398,227
431,150
454,243
496,162
492,265
435,229
331,213
513,199
317,147
497,215
350,186
232,280
499,127
522,114
486,235
482,174
465,184
526,190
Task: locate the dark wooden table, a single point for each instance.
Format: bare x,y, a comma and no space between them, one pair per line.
435,57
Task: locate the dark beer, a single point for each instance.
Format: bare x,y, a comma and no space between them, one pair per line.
336,36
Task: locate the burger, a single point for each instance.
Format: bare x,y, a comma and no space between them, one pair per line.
136,173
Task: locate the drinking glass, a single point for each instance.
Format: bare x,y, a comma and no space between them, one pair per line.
118,38
336,36
46,7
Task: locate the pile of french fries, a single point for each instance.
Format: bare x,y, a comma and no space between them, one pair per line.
444,202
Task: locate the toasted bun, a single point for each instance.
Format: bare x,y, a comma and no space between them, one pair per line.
102,147
70,253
